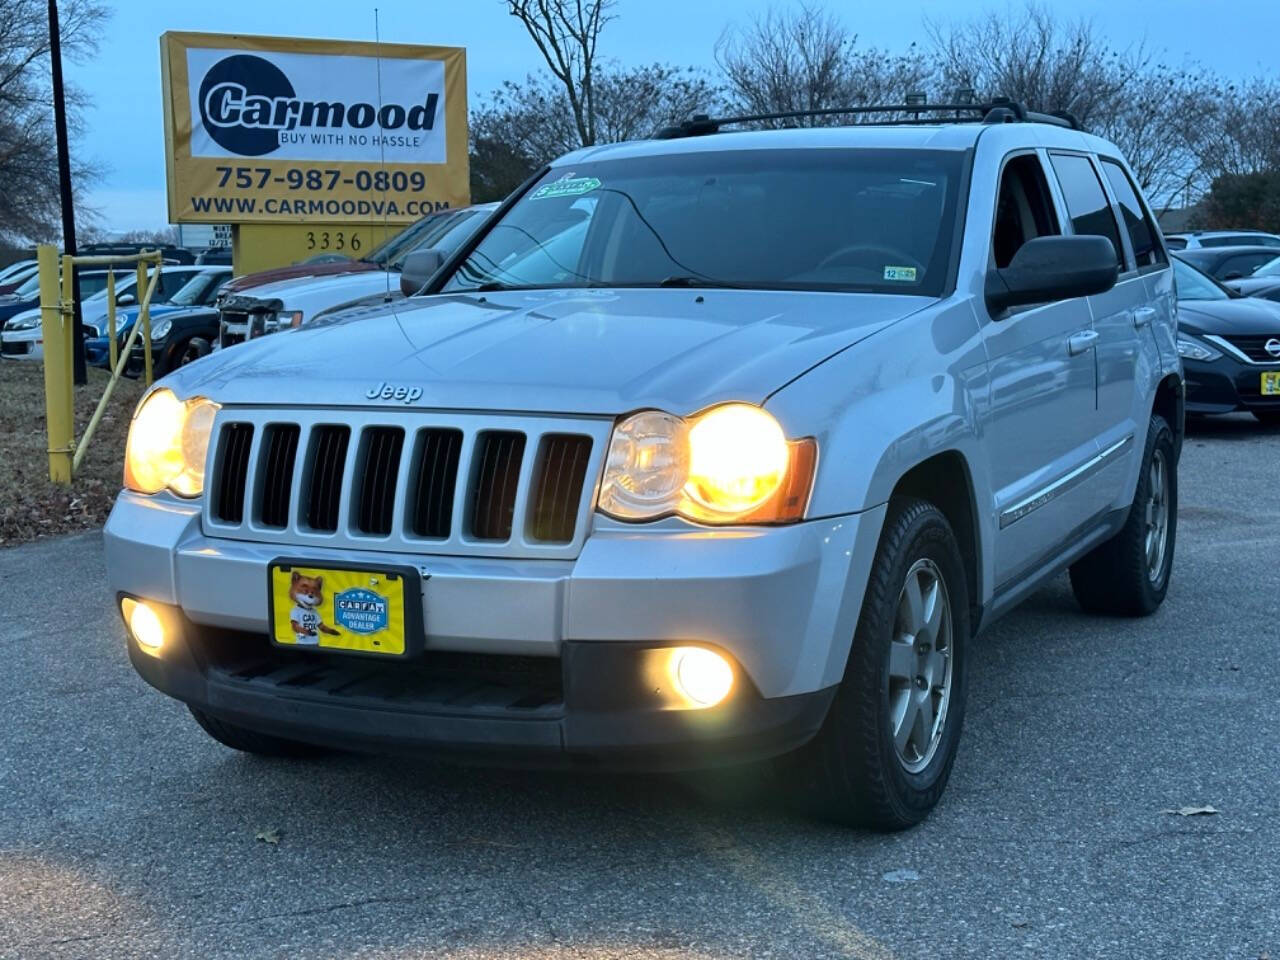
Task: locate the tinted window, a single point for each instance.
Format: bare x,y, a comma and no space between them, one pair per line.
1142,236
1241,240
1086,201
1176,243
831,219
1242,265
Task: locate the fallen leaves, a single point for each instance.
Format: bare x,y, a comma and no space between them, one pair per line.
270,835
1204,811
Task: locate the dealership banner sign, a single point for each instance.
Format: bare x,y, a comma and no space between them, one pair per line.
276,130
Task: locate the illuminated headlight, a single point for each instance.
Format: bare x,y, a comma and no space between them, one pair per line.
160,329
168,442
1192,349
731,464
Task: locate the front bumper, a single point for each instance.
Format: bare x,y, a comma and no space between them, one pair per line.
780,602
22,344
1227,384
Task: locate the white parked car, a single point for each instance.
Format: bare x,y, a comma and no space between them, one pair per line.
252,312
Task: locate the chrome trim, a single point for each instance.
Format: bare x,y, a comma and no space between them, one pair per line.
1236,352
1064,483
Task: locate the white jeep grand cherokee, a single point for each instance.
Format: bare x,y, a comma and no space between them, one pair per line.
716,448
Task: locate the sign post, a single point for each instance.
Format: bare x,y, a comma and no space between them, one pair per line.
311,146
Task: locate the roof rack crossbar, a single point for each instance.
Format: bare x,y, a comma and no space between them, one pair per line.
999,110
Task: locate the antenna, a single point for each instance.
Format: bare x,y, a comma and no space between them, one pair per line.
382,145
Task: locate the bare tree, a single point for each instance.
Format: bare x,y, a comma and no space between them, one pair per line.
29,206
1156,114
566,33
804,58
524,125
1244,135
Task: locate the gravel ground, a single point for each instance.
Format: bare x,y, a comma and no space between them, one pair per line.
125,832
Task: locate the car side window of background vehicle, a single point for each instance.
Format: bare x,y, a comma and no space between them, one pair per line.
1241,265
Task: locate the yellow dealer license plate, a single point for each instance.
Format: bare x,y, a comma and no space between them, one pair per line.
1271,383
348,609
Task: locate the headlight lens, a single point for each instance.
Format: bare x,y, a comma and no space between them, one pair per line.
26,323
730,464
160,329
168,443
1192,349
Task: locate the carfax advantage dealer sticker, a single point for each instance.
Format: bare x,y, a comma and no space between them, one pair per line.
265,129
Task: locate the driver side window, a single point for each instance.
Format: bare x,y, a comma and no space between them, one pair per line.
1024,209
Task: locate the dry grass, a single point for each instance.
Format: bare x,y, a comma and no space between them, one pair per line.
30,506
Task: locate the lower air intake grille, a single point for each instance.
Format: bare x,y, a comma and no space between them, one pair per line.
557,487
377,495
236,441
280,446
498,457
328,456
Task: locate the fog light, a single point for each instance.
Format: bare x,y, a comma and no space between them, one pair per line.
701,675
144,624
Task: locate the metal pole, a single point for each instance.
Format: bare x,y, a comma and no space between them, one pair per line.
64,187
58,396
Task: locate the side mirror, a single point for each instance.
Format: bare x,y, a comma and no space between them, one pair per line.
1053,268
126,299
418,268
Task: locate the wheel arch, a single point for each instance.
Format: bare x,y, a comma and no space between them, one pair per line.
1170,402
935,480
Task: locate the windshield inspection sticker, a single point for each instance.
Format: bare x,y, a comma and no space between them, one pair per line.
900,273
568,187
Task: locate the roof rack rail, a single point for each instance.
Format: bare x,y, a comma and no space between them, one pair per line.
999,110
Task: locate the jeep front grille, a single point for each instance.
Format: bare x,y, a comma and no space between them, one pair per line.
233,453
406,481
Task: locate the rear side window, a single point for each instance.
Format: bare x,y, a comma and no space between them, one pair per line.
1176,243
1142,235
1086,202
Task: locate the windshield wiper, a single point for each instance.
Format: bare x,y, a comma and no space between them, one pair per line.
690,281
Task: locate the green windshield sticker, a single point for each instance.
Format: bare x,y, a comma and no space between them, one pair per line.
568,187
900,273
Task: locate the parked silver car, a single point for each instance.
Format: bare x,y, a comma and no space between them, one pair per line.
708,449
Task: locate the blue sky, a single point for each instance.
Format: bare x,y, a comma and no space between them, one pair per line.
124,127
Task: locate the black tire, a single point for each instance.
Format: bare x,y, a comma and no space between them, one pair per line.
852,772
1116,577
251,741
1269,418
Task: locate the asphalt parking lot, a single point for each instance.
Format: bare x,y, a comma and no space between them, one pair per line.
125,831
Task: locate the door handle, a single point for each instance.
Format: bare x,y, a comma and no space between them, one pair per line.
1080,342
1143,315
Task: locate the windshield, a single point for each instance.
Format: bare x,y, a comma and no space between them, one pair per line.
195,291
417,236
1193,285
1269,269
817,219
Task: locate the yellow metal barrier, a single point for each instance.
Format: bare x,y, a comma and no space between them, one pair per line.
57,318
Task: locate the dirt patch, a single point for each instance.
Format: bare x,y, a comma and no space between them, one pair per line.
31,506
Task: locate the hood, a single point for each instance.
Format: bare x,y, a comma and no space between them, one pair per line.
1246,315
554,351
241,284
313,294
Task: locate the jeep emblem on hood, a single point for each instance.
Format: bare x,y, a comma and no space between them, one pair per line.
390,391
